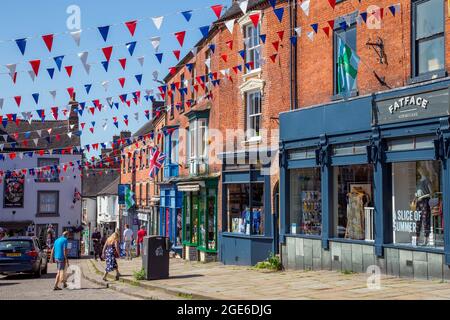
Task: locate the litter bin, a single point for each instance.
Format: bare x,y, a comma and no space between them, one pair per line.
155,257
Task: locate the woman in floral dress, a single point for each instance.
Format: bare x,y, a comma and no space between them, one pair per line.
110,252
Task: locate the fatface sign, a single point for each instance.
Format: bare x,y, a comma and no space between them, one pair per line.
412,107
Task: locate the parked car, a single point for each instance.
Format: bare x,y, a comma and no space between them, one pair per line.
23,255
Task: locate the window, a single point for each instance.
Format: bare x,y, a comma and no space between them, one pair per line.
48,171
414,143
147,194
306,201
302,154
207,71
417,204
141,195
48,202
198,141
428,36
245,211
182,95
174,147
253,114
193,75
147,157
353,196
252,45
172,105
348,37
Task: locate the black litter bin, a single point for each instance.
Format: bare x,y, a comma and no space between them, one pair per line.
155,257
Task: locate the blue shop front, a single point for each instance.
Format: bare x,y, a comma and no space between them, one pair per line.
247,221
365,184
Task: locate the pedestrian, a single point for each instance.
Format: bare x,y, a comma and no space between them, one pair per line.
2,233
59,254
128,238
50,236
96,238
111,253
140,240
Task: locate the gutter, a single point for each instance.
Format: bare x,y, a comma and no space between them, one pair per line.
293,52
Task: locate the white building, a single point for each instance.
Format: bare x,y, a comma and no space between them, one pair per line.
108,208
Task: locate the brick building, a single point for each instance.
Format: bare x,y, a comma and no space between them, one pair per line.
364,174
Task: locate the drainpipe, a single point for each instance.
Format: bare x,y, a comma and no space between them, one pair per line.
293,52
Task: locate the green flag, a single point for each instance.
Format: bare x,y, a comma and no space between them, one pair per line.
347,68
129,199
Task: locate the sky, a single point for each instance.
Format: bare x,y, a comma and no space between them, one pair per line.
32,19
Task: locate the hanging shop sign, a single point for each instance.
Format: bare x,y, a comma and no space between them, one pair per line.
413,107
14,190
142,217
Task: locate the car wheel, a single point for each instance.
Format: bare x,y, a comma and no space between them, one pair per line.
38,272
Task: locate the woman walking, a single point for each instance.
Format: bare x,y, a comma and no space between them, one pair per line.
111,252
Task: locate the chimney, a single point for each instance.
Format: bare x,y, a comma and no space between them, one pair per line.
73,116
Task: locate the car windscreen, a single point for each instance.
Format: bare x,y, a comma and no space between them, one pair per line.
15,245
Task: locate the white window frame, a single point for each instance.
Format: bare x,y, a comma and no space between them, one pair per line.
198,147
251,133
253,49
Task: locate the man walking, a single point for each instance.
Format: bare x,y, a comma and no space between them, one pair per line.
140,240
59,254
128,238
96,238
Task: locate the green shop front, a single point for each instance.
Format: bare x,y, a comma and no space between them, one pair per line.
199,219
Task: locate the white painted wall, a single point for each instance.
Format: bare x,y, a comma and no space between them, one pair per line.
107,209
69,213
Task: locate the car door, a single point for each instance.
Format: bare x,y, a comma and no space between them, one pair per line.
40,252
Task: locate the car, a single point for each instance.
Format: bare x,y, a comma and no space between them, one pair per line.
23,255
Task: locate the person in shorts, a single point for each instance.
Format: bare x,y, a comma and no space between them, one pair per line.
128,239
59,255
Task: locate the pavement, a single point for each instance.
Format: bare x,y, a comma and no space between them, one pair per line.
196,280
25,287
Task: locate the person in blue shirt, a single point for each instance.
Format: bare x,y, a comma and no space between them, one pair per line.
59,254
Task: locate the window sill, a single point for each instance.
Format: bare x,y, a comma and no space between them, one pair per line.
47,215
411,248
427,77
342,240
304,236
337,97
253,73
252,141
244,236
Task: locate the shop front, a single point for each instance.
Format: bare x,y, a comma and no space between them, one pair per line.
199,219
363,184
246,236
170,215
153,223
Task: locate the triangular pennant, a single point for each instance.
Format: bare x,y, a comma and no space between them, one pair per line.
279,13
105,65
76,36
273,57
332,3
242,54
105,85
122,82
48,39
155,42
53,94
255,19
276,45
139,78
18,99
36,97
331,24
123,63
180,37
187,15
88,88
204,30
131,25
263,38
22,44
51,72
315,27
69,70
131,46
326,29
107,52
159,56
58,61
243,5
293,40
224,57
158,21
229,44
217,10
141,61
104,32
230,25
311,35
364,16
35,64
70,91
305,7
280,34
177,53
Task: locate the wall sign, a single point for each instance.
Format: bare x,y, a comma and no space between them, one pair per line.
14,190
412,107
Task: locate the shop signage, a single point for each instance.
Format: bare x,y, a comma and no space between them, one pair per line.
406,221
14,190
142,217
413,107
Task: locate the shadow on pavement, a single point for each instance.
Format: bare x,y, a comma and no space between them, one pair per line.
9,284
186,276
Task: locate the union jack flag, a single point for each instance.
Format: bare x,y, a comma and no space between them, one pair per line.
156,161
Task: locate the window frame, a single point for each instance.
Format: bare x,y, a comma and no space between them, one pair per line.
40,165
414,45
39,194
251,132
250,50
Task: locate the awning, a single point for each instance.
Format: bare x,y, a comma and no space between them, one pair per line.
190,187
12,225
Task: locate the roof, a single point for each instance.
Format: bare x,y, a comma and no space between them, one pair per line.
111,189
94,184
148,126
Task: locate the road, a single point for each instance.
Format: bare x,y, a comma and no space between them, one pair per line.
24,287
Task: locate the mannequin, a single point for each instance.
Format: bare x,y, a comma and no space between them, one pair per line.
357,199
423,195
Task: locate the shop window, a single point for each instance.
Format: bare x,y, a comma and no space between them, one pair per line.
306,201
417,204
48,171
349,149
48,202
245,210
191,218
415,143
347,37
179,230
254,114
252,45
353,187
302,154
428,36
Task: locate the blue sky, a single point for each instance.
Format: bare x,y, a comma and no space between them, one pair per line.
24,18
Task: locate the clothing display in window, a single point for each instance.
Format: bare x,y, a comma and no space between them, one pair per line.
356,201
311,222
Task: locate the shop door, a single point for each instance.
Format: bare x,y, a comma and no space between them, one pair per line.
276,219
195,215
